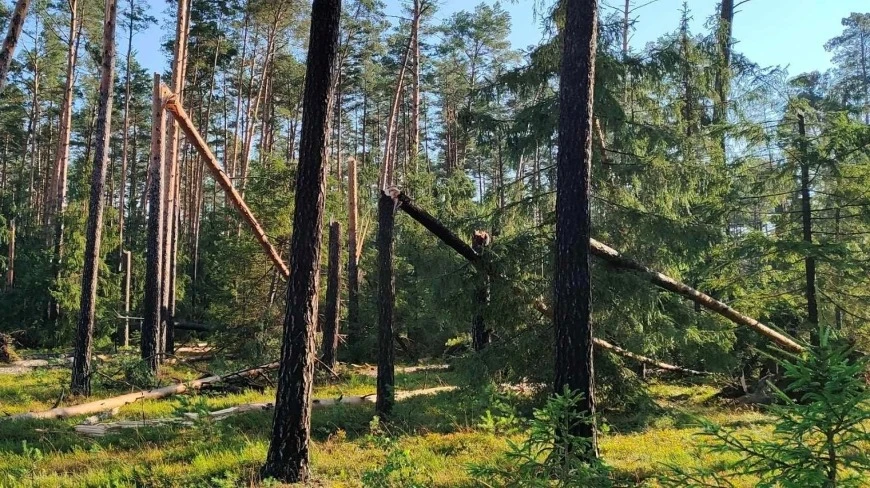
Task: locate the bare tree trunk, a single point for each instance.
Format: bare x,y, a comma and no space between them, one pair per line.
386,303
10,257
333,297
288,455
387,176
480,334
170,211
178,112
354,326
419,6
16,22
153,264
126,133
124,333
572,285
81,371
59,185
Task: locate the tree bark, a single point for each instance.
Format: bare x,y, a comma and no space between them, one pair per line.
16,22
288,456
124,333
81,371
480,334
354,326
10,256
177,111
387,175
119,401
572,285
170,210
333,297
807,221
386,303
149,346
126,132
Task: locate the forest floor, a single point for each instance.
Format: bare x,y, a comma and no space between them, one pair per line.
431,441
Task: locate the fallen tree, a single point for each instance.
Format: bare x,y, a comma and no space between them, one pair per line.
172,105
107,404
187,419
613,258
448,237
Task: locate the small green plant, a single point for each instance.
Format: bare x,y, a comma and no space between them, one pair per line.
398,469
501,418
820,436
541,462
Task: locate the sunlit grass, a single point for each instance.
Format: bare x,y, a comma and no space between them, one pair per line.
440,434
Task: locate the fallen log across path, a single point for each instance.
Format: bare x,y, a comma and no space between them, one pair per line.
101,429
612,257
107,404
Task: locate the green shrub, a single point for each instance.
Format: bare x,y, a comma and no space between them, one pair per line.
821,429
538,461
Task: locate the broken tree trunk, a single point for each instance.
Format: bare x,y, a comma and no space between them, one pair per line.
386,303
174,107
614,258
598,249
354,328
480,334
333,297
119,401
101,429
153,267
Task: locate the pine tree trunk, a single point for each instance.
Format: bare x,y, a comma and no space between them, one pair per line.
149,346
333,297
58,192
807,220
170,210
122,201
124,333
10,256
386,303
419,5
480,335
288,456
354,327
81,371
571,279
16,22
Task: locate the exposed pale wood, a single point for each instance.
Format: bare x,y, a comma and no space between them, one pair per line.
101,429
174,107
157,393
614,258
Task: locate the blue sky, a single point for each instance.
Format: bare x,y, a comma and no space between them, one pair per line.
788,33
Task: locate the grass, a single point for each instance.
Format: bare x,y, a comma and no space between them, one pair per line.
435,437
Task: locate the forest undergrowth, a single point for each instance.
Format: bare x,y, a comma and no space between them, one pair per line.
430,441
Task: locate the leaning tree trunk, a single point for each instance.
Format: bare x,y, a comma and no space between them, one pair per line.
572,290
149,346
287,458
354,327
386,303
81,371
8,49
333,297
